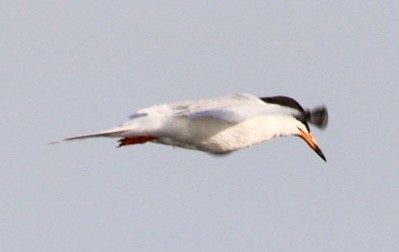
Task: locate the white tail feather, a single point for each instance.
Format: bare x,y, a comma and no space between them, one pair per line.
116,132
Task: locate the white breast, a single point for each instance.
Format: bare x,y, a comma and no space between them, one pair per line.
215,136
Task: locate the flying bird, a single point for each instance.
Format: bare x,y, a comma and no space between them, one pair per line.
220,125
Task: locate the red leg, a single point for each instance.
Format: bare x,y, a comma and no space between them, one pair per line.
135,140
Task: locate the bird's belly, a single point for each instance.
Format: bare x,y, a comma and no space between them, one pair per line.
216,136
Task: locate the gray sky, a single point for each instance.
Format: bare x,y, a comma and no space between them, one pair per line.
74,67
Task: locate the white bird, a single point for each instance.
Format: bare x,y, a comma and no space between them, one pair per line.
220,125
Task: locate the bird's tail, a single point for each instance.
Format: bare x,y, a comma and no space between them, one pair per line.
317,117
114,132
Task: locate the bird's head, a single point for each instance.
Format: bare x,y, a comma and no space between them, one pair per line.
292,126
297,123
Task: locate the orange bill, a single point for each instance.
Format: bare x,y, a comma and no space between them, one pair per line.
311,141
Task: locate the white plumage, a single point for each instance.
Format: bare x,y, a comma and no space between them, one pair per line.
220,125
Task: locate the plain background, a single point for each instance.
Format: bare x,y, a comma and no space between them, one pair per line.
75,67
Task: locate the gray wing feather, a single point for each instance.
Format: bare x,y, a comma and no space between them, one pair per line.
223,115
